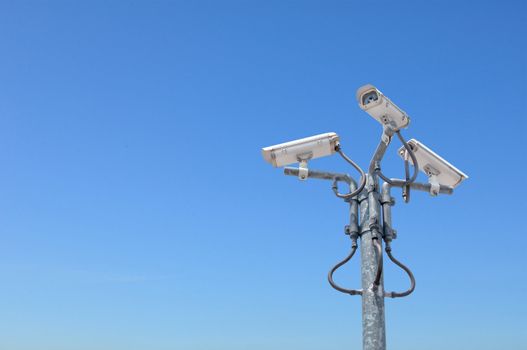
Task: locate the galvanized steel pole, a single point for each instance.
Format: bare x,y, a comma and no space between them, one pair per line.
373,325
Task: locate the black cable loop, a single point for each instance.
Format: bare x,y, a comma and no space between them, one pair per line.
408,272
362,178
332,271
381,175
414,160
412,155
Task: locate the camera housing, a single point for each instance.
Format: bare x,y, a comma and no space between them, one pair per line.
301,150
381,108
436,168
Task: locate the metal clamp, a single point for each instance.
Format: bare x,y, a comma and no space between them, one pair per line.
387,199
352,232
302,170
434,185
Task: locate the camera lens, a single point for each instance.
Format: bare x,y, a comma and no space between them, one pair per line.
369,97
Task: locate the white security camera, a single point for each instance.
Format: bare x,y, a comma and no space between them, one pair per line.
438,170
381,108
302,150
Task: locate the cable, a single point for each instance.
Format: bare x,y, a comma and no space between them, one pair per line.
362,178
378,276
412,155
381,175
406,170
406,269
406,188
414,161
332,271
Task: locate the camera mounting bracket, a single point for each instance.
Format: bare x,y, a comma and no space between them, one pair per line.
432,179
435,186
302,166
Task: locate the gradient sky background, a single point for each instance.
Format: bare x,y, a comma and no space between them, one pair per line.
136,211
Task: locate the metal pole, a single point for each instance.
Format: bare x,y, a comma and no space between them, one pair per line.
373,325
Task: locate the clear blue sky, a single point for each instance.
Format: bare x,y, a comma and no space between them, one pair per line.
137,213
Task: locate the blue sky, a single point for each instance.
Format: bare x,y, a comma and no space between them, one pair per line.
136,211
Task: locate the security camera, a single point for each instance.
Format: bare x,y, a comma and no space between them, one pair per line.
438,170
301,150
381,108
